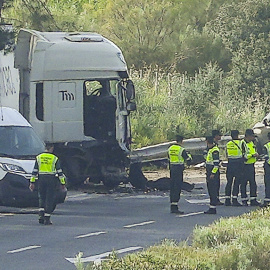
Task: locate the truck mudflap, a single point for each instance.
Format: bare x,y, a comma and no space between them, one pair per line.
14,191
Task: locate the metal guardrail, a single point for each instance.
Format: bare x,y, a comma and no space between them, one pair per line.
160,151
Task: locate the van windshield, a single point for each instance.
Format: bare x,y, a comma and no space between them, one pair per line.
19,142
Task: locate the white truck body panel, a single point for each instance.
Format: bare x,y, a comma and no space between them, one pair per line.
9,81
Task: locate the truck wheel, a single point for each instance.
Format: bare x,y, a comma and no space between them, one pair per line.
136,176
110,183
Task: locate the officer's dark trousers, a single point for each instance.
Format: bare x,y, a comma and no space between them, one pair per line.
234,176
176,176
267,181
218,183
248,177
47,185
212,185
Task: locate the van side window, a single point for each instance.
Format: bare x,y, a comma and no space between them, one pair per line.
39,102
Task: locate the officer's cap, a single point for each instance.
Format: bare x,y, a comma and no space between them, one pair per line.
234,133
249,132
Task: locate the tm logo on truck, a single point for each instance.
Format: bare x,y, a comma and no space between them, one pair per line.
67,95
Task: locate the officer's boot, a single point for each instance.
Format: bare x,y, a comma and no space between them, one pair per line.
228,202
175,210
235,202
244,202
47,220
41,216
211,211
266,203
254,202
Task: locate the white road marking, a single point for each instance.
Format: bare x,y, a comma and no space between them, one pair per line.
140,224
7,214
190,214
89,234
23,249
198,201
83,196
97,258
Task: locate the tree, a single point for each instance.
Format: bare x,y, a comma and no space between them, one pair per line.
245,29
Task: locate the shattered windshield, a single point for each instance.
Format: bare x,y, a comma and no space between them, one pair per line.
19,142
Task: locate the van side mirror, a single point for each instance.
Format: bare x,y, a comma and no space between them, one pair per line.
131,106
130,90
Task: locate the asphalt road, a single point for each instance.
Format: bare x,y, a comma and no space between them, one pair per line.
96,224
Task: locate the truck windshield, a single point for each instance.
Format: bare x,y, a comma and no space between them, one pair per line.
19,142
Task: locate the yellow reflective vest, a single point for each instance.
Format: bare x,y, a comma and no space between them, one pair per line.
234,149
175,154
46,164
250,151
210,161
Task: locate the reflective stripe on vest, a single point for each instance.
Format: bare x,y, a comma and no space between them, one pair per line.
209,158
234,150
251,150
175,154
267,146
46,163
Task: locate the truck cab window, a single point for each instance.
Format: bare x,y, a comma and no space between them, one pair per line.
99,109
39,102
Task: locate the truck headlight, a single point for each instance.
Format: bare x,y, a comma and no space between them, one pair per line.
11,167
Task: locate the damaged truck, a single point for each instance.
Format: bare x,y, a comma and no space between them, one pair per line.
75,90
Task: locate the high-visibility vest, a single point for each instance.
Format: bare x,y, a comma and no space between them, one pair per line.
210,160
234,149
175,154
250,151
267,146
46,163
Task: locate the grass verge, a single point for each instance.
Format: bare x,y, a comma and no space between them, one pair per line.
234,243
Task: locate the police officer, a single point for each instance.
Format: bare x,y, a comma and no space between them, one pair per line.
177,157
250,155
216,134
212,174
266,151
46,167
234,169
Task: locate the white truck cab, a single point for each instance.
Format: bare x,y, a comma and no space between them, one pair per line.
76,93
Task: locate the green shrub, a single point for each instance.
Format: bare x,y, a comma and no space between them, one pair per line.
236,243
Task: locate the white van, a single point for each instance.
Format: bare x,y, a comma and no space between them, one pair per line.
19,145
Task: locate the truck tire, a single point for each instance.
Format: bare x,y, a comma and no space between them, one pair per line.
136,176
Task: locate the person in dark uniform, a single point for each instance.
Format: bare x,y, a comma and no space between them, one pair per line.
250,156
216,134
234,169
212,174
177,157
46,168
266,152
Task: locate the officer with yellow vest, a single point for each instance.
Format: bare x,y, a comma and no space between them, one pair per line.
234,169
266,151
46,168
250,156
212,174
177,157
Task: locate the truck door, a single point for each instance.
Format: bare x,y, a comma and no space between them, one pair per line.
122,119
67,111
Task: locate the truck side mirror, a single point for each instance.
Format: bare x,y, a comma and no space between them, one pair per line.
131,106
130,92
